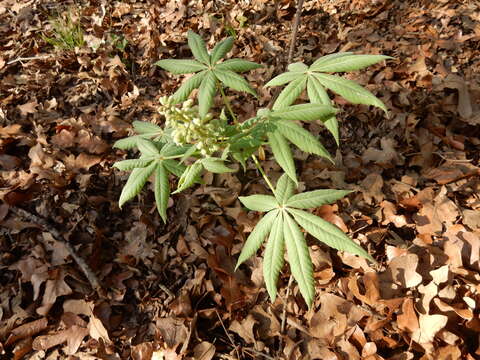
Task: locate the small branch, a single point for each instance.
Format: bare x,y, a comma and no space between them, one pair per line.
296,23
91,277
265,177
228,335
293,40
39,57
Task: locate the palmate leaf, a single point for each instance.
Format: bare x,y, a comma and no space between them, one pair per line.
184,91
147,128
128,142
316,198
273,257
206,93
298,66
350,90
135,183
221,49
162,191
302,138
327,233
299,259
174,167
198,47
317,94
189,177
233,80
257,236
180,66
147,148
327,58
284,78
216,165
237,65
282,153
284,190
130,164
305,112
259,202
348,62
290,93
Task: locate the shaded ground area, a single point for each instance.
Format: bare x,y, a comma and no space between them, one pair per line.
169,291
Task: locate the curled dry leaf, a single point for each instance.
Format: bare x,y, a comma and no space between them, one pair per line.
429,326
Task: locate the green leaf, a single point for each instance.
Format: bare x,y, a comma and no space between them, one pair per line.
259,202
198,47
171,149
349,63
130,164
215,165
180,66
299,259
174,167
273,256
298,66
328,58
221,49
127,143
147,147
237,65
305,112
184,91
317,94
162,191
350,90
256,237
284,78
327,233
234,81
316,198
135,183
284,189
206,93
189,177
147,128
283,154
290,93
302,138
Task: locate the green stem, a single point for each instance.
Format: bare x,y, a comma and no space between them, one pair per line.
227,104
259,167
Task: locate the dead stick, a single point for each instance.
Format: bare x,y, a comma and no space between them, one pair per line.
91,277
293,40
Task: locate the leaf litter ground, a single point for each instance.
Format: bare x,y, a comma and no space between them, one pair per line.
170,292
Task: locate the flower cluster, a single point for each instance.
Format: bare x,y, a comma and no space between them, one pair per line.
188,128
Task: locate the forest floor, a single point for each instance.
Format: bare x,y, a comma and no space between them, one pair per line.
170,291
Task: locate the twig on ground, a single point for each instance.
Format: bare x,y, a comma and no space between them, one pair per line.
296,23
228,335
38,57
91,277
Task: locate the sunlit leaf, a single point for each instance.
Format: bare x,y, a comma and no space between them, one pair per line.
327,58
259,202
299,258
350,90
316,198
285,188
348,62
147,147
189,177
302,138
233,80
130,164
273,257
284,78
180,66
290,93
327,233
206,93
305,112
283,154
137,179
298,66
215,165
184,91
257,236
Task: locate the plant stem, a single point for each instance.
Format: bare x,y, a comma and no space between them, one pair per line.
265,177
227,104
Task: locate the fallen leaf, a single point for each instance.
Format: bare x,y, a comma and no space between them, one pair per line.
429,326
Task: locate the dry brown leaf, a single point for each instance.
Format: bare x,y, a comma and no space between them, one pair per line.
407,320
244,328
173,330
429,326
403,269
55,287
371,188
27,330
